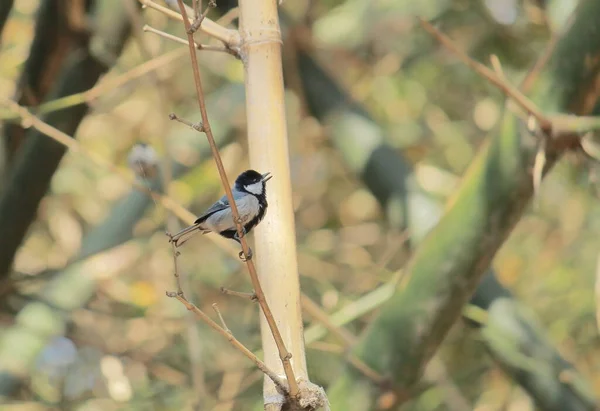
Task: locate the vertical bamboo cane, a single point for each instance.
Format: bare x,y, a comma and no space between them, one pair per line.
275,237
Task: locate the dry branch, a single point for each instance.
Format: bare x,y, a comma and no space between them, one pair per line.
29,120
230,38
104,86
283,353
223,330
565,131
199,46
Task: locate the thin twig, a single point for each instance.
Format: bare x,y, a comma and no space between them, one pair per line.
176,269
488,74
247,296
229,336
105,85
321,316
568,129
223,324
195,126
199,46
29,120
196,6
284,354
348,339
353,360
231,38
497,66
541,62
199,18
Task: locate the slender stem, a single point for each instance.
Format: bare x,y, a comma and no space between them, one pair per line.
182,41
196,6
247,296
284,354
221,319
232,340
176,268
73,145
104,86
230,37
348,339
544,58
488,74
318,314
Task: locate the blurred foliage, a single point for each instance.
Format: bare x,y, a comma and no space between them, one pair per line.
127,348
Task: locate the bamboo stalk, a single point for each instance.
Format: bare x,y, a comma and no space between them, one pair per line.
275,237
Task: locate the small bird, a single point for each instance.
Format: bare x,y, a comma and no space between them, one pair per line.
250,195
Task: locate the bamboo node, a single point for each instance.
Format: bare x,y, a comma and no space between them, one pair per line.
263,35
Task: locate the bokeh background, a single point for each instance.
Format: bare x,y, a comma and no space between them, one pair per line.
97,249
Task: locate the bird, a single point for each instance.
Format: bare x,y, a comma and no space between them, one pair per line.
250,195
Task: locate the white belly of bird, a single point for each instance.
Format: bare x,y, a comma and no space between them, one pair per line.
221,221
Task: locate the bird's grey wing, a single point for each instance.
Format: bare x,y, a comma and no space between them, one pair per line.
222,204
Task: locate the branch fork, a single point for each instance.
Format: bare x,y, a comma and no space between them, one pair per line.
223,330
555,132
195,126
199,18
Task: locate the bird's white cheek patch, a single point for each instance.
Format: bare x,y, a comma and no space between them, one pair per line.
255,188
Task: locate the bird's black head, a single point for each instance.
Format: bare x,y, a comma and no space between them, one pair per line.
252,182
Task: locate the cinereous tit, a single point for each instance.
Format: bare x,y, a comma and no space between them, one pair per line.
250,195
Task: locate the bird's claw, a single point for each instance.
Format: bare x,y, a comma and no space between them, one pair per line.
237,236
244,258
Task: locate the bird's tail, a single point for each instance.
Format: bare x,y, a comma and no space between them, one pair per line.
182,236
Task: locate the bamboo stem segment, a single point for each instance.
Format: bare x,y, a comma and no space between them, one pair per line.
275,237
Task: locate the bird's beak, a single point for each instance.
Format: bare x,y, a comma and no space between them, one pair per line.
266,177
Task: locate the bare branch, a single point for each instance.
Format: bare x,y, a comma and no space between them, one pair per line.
229,336
347,338
216,308
29,120
104,85
566,130
224,330
199,18
195,126
489,75
543,59
284,354
196,5
176,254
318,314
248,296
231,38
223,49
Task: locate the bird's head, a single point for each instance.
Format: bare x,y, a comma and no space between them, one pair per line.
252,182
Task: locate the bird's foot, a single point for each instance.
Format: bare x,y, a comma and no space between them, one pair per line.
243,257
172,239
237,237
